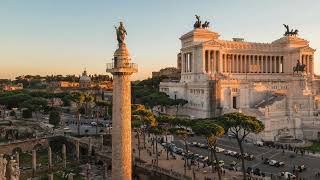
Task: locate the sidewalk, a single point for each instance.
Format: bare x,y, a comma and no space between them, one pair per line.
177,165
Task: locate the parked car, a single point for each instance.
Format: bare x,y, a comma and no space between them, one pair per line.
266,161
194,143
273,162
221,162
257,172
227,152
249,170
219,149
233,153
301,168
249,157
203,146
93,123
288,175
259,143
279,164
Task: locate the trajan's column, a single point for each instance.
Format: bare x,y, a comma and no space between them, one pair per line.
121,69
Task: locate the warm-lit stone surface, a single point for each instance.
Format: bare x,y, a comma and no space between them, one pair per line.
220,76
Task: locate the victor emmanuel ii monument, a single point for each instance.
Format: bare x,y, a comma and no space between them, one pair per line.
274,82
121,69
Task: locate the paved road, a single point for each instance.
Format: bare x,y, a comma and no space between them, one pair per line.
71,123
312,163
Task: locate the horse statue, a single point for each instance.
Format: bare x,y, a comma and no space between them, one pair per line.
197,24
299,67
205,25
294,32
290,33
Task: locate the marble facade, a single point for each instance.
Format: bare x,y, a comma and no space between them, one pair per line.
220,76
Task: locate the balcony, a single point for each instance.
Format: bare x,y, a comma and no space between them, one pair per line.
121,67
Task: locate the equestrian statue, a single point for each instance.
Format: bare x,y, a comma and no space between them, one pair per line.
299,67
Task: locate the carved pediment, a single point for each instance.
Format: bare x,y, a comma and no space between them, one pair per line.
307,49
211,43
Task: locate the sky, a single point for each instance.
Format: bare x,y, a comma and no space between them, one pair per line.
66,36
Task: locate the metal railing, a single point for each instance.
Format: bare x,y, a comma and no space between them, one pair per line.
121,65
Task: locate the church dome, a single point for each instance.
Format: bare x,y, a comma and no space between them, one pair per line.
85,78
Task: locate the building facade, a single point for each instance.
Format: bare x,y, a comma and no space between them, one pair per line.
257,79
169,72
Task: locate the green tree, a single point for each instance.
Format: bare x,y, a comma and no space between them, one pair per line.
136,123
78,98
179,103
35,104
184,134
26,113
54,118
147,118
241,126
211,130
157,131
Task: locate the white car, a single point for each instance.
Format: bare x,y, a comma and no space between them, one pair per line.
233,153
272,162
219,149
288,175
227,152
93,123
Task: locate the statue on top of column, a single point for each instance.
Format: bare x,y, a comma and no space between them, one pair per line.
121,33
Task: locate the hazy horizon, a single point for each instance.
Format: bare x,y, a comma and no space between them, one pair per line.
65,37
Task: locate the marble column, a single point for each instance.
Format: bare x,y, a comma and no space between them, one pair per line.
121,114
274,64
49,158
34,162
306,63
270,64
230,62
214,62
64,155
311,64
240,63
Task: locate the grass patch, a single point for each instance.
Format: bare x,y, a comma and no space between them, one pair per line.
315,147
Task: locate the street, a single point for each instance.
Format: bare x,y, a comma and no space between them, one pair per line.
312,163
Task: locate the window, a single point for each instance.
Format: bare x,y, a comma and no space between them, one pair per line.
234,102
